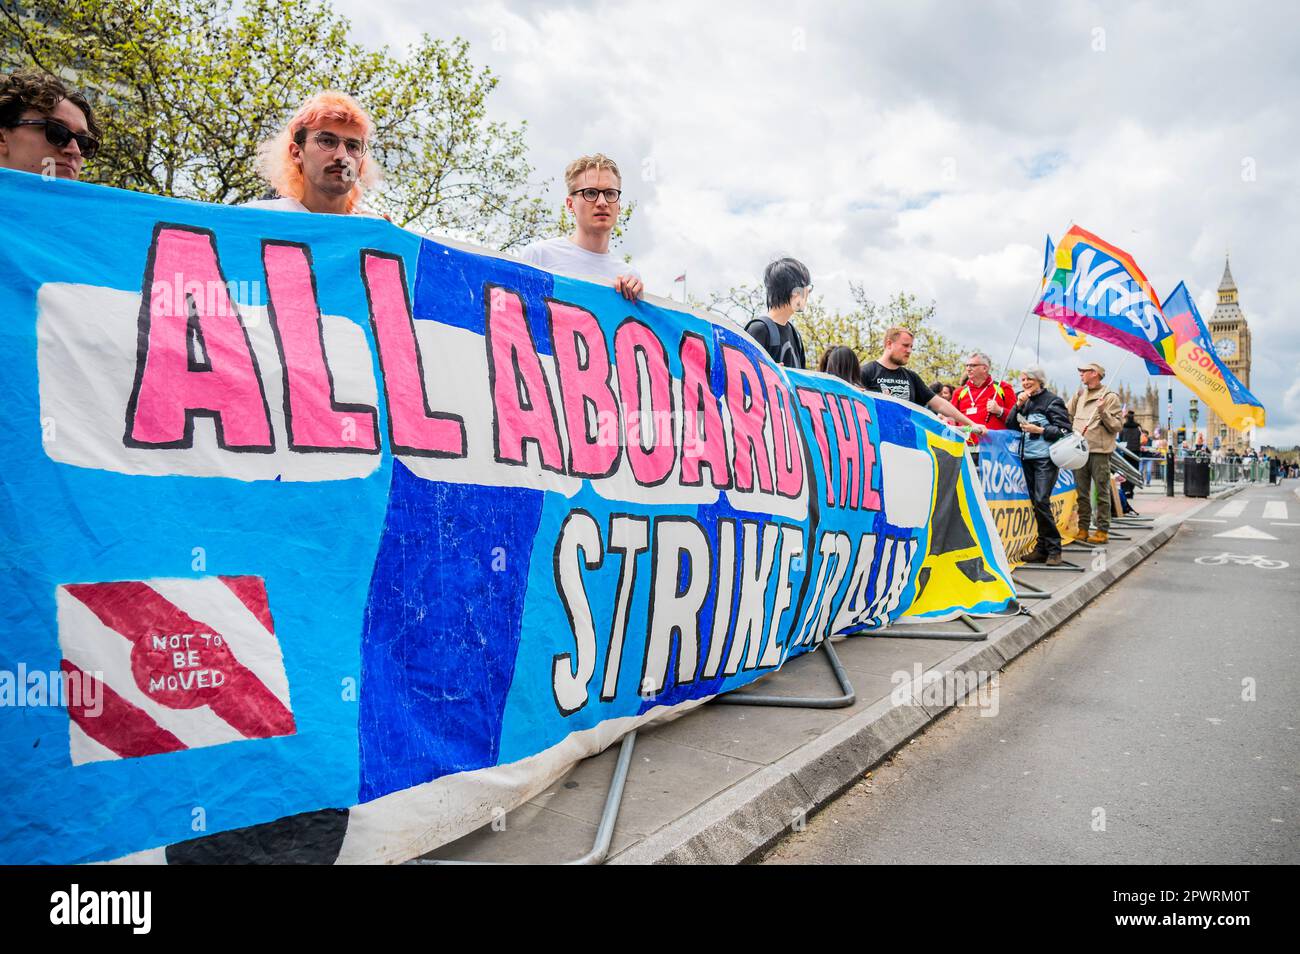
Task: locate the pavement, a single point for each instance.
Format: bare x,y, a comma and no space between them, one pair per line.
1158,726
724,783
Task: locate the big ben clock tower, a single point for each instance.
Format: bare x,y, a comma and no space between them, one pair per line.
1231,339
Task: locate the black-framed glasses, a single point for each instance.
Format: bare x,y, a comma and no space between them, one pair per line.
329,141
591,195
59,135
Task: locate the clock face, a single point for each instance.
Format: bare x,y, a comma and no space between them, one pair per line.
1225,347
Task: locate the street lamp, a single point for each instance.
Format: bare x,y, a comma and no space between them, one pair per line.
1194,411
1169,444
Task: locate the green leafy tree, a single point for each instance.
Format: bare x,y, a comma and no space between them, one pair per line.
188,89
741,303
935,356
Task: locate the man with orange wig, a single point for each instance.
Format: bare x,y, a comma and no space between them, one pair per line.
320,161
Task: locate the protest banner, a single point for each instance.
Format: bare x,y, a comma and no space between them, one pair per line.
329,542
1003,477
1199,365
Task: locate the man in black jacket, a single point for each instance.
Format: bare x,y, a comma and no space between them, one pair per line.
1130,434
1043,420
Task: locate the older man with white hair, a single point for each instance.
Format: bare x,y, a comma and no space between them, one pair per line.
983,399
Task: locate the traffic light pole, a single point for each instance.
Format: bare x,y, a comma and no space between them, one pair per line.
1169,446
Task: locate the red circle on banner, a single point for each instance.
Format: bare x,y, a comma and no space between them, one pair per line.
182,670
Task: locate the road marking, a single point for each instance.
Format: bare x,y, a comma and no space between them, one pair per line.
1232,509
1246,533
1241,559
1275,510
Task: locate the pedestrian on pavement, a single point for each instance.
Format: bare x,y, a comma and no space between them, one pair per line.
1095,414
1130,434
1042,418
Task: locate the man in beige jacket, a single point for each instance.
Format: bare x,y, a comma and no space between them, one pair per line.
1095,412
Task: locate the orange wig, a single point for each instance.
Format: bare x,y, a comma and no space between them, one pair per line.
275,162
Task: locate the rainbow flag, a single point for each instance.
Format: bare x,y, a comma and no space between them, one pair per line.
1097,288
1075,339
1198,365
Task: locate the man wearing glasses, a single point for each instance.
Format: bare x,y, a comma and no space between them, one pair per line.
595,191
45,127
982,399
320,161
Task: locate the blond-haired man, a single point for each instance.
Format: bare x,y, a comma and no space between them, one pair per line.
594,198
889,374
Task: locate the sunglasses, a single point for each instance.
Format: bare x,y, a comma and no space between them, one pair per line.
59,135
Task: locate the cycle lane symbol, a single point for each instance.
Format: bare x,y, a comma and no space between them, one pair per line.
1240,559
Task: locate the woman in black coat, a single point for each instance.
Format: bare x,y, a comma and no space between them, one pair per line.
1043,420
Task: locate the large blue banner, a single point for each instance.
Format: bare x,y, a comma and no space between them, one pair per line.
320,533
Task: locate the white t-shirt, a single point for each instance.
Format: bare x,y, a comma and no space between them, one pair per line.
282,204
287,204
562,255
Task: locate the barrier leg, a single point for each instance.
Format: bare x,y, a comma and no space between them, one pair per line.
847,697
1026,591
1065,566
613,802
608,817
1134,523
907,632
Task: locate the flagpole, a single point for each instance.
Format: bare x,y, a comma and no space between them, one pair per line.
1029,310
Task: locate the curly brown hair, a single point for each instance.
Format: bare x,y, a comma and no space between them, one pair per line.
35,89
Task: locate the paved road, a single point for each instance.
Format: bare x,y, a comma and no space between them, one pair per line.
1138,708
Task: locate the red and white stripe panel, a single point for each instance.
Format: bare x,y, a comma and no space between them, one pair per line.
184,663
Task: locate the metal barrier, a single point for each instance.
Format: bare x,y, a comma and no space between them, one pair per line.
1221,472
614,795
608,817
846,698
1128,465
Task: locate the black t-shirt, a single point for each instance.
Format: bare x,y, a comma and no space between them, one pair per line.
789,351
900,382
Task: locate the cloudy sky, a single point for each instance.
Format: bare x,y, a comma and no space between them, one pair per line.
923,147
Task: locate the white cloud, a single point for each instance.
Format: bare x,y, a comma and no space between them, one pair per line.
925,147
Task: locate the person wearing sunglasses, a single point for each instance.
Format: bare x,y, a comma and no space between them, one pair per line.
321,160
45,127
594,199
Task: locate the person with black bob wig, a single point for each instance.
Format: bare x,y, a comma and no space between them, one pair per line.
789,286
